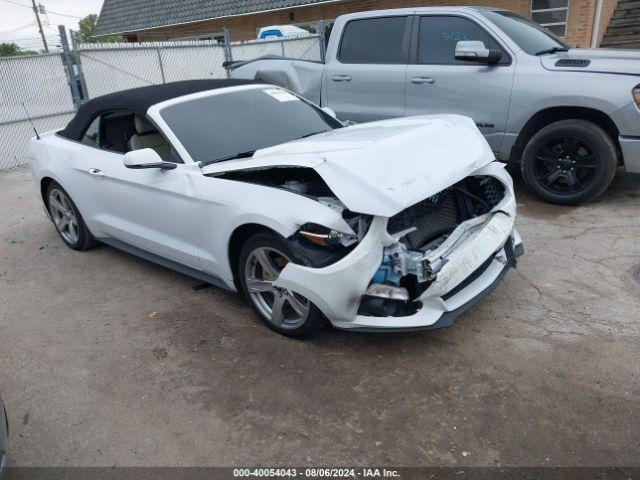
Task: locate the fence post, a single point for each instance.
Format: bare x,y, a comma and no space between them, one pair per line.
160,64
76,53
68,66
320,30
228,56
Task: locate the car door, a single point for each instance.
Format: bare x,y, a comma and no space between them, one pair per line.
148,208
365,81
438,83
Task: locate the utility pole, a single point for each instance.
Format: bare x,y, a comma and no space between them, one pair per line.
44,40
68,64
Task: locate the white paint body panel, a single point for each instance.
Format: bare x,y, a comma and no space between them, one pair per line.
380,169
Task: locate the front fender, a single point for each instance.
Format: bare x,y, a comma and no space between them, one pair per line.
235,203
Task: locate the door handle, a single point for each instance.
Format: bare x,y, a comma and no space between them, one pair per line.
423,80
342,78
96,172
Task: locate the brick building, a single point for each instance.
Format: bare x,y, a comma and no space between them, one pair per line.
582,22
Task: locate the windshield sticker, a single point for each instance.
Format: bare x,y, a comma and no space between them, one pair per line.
281,95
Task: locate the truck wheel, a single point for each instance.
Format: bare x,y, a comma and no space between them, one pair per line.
569,162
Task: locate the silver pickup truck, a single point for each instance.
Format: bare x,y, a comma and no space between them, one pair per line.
569,116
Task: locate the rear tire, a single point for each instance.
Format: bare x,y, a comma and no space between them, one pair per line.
67,219
262,258
569,162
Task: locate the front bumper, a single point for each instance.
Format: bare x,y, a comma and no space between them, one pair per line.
441,312
337,290
630,147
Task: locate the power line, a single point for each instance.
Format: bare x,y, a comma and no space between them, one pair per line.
62,14
9,32
46,10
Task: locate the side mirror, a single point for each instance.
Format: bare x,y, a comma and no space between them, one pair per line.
146,158
329,111
475,51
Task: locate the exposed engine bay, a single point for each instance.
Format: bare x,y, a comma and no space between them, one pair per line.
314,245
407,268
426,232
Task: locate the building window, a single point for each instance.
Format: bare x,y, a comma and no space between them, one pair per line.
551,14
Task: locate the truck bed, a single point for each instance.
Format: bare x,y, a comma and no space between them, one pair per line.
301,76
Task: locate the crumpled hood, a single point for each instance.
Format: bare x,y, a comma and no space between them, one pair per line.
600,61
381,168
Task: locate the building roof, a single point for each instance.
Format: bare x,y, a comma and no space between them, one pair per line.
138,101
123,16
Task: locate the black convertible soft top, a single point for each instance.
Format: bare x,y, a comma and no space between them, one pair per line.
138,101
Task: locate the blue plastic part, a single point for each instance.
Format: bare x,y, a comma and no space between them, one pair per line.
385,273
271,33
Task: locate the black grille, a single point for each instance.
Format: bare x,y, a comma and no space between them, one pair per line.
440,214
432,217
493,191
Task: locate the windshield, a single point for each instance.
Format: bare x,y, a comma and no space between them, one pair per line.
235,124
530,37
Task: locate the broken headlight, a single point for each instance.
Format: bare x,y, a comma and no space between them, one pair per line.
326,237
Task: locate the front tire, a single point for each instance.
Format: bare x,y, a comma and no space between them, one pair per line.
262,259
67,219
569,162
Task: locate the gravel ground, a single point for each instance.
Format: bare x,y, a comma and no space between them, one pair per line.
107,360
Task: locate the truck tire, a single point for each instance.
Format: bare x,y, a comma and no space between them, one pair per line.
569,162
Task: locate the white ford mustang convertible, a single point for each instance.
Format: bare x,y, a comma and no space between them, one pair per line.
394,225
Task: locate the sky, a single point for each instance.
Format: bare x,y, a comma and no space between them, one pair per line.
18,23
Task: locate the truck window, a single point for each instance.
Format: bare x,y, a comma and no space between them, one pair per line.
373,40
530,37
439,35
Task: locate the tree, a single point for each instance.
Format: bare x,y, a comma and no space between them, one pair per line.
13,50
87,26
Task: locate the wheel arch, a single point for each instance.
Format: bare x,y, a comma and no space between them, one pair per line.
44,185
237,239
554,114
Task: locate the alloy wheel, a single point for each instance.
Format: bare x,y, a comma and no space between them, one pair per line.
64,216
282,307
566,165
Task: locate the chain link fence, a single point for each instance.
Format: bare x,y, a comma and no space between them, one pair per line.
36,87
301,48
48,86
110,67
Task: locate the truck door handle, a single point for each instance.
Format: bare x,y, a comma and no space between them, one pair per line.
423,80
96,172
341,78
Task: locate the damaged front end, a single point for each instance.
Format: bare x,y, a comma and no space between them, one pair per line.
312,244
420,268
427,236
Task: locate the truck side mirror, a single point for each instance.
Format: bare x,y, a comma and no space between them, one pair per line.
476,52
